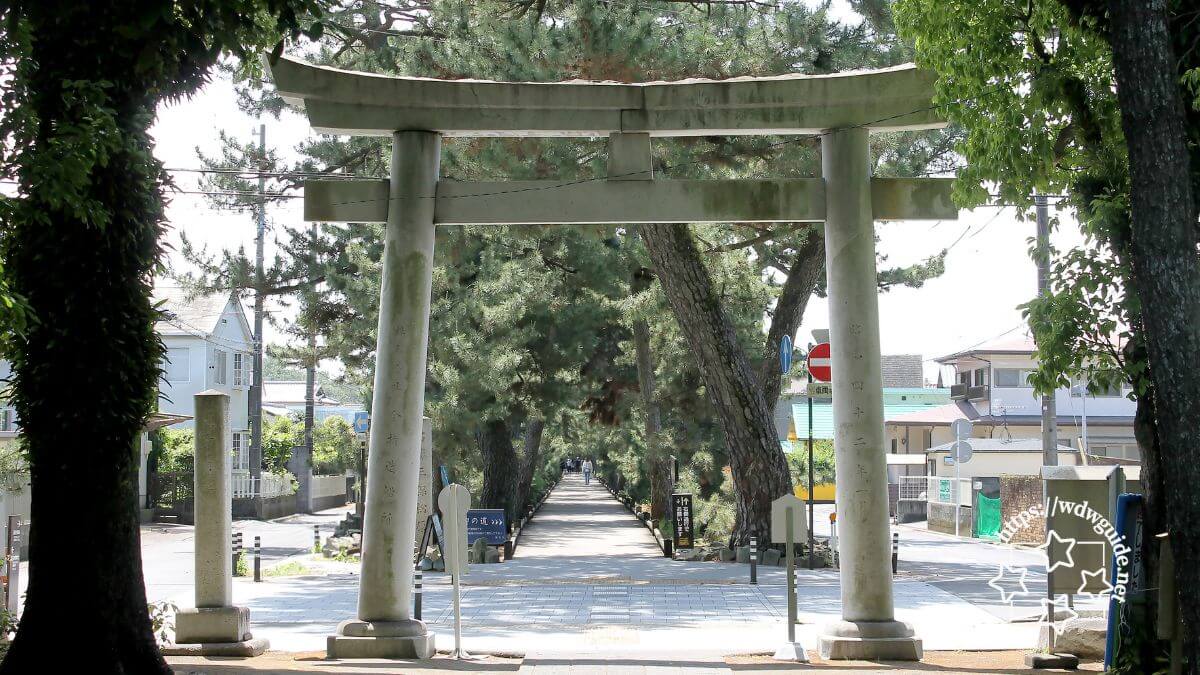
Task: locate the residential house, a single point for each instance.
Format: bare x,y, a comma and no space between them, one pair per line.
209,345
991,390
903,392
289,395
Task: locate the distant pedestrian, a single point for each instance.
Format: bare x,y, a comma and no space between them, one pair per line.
587,472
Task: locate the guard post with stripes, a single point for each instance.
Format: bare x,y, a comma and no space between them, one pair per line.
753,559
417,593
257,558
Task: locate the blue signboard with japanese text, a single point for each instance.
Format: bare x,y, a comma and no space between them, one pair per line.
488,524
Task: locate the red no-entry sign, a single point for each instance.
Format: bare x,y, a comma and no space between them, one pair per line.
818,363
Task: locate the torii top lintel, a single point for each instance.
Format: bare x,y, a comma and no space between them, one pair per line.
365,104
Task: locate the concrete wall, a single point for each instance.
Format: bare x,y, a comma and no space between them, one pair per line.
1017,494
993,464
328,492
941,519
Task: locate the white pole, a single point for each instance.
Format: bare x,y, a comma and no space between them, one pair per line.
957,492
1085,440
458,650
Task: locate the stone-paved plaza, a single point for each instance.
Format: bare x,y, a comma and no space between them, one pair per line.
588,579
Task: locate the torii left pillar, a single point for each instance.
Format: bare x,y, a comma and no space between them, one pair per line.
385,627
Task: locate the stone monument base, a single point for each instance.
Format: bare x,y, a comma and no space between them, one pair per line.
357,639
870,640
215,631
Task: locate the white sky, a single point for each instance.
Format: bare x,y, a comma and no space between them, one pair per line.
988,273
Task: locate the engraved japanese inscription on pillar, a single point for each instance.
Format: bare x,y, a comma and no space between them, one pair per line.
425,479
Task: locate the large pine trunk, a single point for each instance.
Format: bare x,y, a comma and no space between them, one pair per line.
1166,272
85,381
760,472
501,471
806,270
529,462
657,460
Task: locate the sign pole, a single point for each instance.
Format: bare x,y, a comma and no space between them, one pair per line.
811,482
957,492
791,580
785,511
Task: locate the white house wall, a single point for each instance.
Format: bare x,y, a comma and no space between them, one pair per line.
229,336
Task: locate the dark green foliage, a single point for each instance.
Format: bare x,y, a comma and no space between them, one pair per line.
81,241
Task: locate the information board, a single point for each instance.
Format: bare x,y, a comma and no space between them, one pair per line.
487,524
681,507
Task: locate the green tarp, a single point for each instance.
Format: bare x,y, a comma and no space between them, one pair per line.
987,517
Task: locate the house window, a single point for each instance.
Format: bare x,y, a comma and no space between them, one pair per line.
928,438
8,418
241,450
894,451
964,377
221,365
241,369
177,364
1013,377
980,377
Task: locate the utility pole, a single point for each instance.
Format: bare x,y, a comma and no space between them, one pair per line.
256,387
311,369
1049,410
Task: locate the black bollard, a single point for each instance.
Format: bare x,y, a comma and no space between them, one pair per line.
895,551
316,539
257,558
753,559
237,550
417,594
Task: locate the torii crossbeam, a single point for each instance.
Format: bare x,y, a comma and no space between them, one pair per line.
843,108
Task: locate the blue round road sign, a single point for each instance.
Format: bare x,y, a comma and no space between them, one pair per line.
785,354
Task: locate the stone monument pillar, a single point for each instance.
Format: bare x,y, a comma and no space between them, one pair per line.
868,629
215,626
385,627
300,465
424,481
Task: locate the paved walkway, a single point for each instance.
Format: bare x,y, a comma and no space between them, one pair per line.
588,582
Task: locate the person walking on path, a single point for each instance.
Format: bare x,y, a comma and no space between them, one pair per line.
587,472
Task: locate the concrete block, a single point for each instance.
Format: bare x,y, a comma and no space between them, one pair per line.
344,647
727,555
743,554
212,624
356,639
869,640
1083,636
245,648
771,556
1044,661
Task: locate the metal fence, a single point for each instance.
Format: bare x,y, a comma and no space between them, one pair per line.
914,488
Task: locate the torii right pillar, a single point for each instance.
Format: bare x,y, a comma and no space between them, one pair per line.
868,629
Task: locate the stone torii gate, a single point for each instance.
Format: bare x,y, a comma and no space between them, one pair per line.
842,108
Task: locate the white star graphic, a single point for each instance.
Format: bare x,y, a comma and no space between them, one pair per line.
1070,543
1101,573
1007,596
1052,607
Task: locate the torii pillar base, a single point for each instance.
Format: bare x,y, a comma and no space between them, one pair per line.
357,639
869,641
215,631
